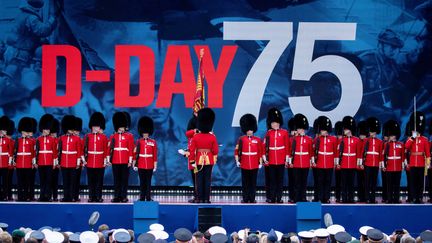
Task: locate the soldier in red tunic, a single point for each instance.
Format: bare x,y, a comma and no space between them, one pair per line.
325,152
302,157
372,157
121,145
25,157
96,152
77,181
70,152
190,133
146,157
418,154
277,149
349,157
362,133
9,133
248,156
6,155
204,150
394,156
46,154
56,168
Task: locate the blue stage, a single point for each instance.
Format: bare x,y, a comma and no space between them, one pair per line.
74,217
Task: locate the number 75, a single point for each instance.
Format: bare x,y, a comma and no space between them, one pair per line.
279,35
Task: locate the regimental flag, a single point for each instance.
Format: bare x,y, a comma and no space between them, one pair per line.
199,99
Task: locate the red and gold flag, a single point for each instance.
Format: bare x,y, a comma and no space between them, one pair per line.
199,99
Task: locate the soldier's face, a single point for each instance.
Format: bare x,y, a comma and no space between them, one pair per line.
389,51
249,133
323,133
95,129
275,125
45,132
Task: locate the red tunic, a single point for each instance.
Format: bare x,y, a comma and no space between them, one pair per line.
351,152
123,147
395,155
204,149
303,151
6,151
373,151
251,152
419,150
25,153
189,135
327,152
47,146
71,150
277,142
97,149
147,156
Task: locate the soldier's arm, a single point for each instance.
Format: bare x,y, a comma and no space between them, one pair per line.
39,28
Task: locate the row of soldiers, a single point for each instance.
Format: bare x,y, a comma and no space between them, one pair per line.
346,155
70,153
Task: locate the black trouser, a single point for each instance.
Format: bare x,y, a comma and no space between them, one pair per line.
145,177
338,179
77,183
54,183
32,185
291,184
9,183
323,184
410,194
24,177
371,182
300,175
68,175
361,187
315,177
95,178
276,175
204,182
249,180
121,180
416,183
384,186
3,183
193,183
45,179
347,185
267,181
393,186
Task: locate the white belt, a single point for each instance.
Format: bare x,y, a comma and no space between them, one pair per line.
95,152
69,152
24,153
349,154
4,154
394,157
249,153
325,153
277,148
45,152
146,155
301,153
121,149
372,152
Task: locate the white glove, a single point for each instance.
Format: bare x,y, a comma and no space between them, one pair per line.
56,162
34,161
260,166
155,167
336,161
381,164
181,151
193,165
359,162
135,168
238,163
78,162
83,160
289,161
10,161
405,164
130,159
312,162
